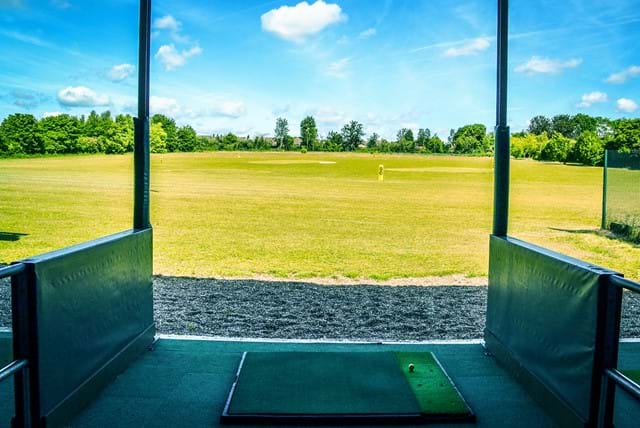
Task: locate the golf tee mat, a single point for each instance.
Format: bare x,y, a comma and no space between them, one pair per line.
343,387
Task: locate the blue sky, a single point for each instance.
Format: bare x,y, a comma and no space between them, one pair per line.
237,65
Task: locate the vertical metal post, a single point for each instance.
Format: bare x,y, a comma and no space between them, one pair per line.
604,190
141,157
602,404
24,347
502,146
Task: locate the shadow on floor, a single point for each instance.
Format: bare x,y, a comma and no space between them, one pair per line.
11,236
599,232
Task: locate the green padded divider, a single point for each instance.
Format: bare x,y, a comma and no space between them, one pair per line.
93,315
6,348
431,386
542,323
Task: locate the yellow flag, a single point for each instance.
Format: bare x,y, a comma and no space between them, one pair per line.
380,172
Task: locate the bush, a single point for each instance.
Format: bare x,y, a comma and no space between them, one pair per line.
589,149
89,145
112,147
528,145
559,148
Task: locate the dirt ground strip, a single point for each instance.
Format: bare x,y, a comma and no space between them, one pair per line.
304,310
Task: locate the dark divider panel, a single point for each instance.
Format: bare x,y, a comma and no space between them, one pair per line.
543,326
94,315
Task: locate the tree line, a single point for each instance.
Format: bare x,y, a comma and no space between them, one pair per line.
564,138
23,134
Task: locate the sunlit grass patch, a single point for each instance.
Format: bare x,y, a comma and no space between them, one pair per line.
230,214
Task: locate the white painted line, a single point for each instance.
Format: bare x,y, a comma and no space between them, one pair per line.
327,341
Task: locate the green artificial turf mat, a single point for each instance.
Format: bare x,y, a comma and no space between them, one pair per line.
634,375
430,384
345,384
322,383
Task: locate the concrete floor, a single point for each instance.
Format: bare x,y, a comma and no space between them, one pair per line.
184,383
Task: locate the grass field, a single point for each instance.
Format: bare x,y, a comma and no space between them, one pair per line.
307,215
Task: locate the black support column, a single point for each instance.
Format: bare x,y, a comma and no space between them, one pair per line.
502,144
141,123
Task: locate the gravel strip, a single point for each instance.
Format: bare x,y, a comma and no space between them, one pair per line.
269,309
301,310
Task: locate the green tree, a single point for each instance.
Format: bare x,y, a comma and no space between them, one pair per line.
334,142
583,123
626,135
405,134
19,134
558,148
470,139
157,138
435,145
528,145
261,143
352,134
424,134
92,125
89,144
308,132
98,125
539,125
230,141
122,134
563,124
170,128
60,133
281,132
372,141
589,149
187,139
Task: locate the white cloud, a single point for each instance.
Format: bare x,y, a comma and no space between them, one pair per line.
25,38
81,96
173,26
338,68
278,110
624,75
591,98
471,47
167,22
329,117
547,66
51,113
168,55
209,108
370,32
295,23
627,105
232,109
171,58
26,99
166,106
120,72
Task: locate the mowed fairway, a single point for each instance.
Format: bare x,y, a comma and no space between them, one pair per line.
307,215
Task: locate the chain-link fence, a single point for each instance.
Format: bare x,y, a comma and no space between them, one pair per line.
621,198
